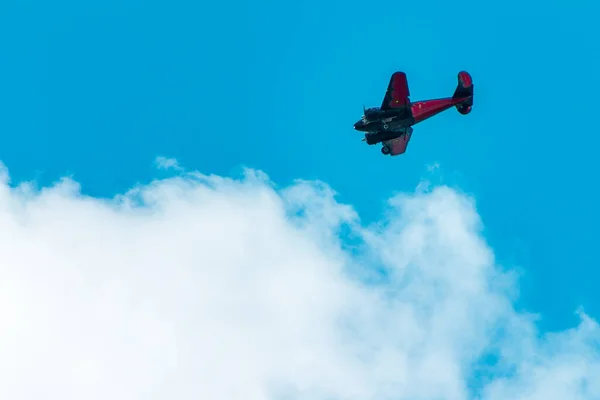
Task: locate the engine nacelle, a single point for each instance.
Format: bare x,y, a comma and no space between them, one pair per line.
374,138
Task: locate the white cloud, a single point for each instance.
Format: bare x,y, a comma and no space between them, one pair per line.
167,163
230,289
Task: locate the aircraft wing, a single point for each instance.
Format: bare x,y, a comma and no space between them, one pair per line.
397,94
398,146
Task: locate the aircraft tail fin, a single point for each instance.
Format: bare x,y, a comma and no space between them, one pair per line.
464,89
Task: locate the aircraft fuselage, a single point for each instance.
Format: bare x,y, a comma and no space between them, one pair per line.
391,124
382,125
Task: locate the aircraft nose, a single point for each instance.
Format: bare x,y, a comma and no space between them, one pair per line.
358,125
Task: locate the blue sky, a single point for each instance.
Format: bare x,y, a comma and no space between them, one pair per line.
97,90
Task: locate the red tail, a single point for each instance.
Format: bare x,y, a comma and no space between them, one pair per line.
464,90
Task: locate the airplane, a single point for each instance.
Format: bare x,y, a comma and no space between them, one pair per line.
391,124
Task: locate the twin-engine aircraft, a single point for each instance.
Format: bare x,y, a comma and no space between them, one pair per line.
391,124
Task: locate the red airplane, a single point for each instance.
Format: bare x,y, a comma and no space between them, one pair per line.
391,124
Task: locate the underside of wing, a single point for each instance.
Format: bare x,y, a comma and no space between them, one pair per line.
398,145
398,94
